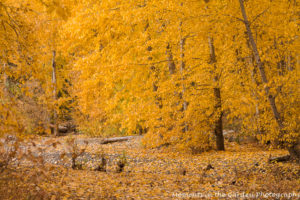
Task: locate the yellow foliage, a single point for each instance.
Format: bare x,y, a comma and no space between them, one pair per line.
114,58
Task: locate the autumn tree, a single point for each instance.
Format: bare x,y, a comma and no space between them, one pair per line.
17,47
290,135
28,30
180,72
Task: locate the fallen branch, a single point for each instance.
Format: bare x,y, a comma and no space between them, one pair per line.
280,159
116,139
105,140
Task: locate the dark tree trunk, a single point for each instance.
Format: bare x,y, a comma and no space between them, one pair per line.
218,124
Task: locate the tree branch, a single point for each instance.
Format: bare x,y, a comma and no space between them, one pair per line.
237,18
257,16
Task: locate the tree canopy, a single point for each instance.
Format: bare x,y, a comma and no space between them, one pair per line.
179,72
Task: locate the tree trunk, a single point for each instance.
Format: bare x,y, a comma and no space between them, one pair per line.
171,64
260,66
292,150
218,124
54,83
182,66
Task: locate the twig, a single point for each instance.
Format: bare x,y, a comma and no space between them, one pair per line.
257,16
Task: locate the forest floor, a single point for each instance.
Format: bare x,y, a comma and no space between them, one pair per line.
43,171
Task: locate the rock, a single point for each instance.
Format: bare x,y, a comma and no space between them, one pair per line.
62,129
208,167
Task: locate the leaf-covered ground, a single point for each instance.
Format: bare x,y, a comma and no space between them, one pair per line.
237,173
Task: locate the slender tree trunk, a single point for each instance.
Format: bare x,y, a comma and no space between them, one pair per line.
171,64
154,84
157,99
292,150
289,68
182,66
260,66
218,124
54,83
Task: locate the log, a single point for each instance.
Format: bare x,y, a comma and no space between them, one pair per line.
116,139
280,159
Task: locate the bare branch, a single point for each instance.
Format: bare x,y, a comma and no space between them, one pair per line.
260,14
237,18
